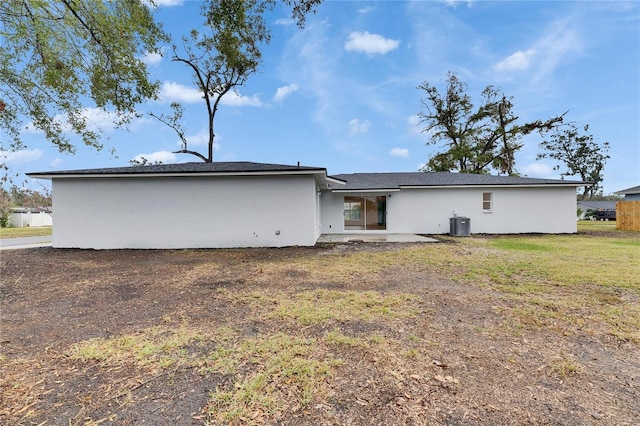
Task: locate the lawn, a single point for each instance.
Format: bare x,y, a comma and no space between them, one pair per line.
25,232
597,225
540,329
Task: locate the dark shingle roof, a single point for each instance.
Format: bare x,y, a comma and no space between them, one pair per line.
633,190
370,181
595,205
236,167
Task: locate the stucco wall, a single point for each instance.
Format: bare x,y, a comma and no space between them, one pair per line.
427,211
185,212
332,212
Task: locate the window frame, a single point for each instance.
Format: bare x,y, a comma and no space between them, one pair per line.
489,201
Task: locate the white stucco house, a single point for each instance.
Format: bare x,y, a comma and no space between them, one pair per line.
243,204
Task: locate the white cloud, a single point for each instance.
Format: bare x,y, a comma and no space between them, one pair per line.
168,3
413,125
370,43
201,139
559,43
455,3
152,58
165,157
357,127
366,10
100,119
539,170
236,99
172,91
284,92
97,120
22,156
399,152
55,162
285,22
518,61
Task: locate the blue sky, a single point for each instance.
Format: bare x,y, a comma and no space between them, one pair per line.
342,93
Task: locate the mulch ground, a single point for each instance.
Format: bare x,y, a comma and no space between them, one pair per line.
477,368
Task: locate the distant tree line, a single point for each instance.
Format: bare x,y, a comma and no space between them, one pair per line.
21,197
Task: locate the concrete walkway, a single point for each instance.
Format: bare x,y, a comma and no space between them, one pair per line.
372,238
25,242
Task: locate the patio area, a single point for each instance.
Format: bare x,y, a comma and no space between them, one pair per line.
375,238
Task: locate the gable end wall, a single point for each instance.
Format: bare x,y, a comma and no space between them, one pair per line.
186,212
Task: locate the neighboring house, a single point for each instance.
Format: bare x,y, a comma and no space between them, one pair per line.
630,194
606,208
244,204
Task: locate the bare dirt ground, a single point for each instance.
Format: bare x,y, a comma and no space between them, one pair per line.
460,359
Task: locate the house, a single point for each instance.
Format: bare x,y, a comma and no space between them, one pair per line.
630,194
423,203
590,209
243,204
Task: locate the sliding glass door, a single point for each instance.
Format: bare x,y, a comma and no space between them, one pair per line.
367,213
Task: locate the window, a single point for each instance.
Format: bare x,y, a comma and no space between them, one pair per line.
352,209
487,201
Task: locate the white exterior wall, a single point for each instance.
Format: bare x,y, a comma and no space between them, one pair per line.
332,212
427,211
185,212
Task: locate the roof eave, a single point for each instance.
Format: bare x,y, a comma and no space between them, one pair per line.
367,190
39,175
498,185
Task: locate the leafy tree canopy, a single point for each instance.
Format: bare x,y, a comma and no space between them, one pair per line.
58,55
580,154
474,139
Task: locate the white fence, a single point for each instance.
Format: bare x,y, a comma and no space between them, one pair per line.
20,220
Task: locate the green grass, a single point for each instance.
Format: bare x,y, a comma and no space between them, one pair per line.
596,225
25,232
562,282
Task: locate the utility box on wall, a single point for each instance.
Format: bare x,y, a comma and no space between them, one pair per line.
460,226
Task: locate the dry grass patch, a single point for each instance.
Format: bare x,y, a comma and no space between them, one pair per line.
279,373
311,307
449,333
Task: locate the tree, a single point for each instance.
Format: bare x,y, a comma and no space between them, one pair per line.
476,140
57,55
24,197
223,54
580,153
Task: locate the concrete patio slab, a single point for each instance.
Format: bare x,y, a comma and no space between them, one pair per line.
375,238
